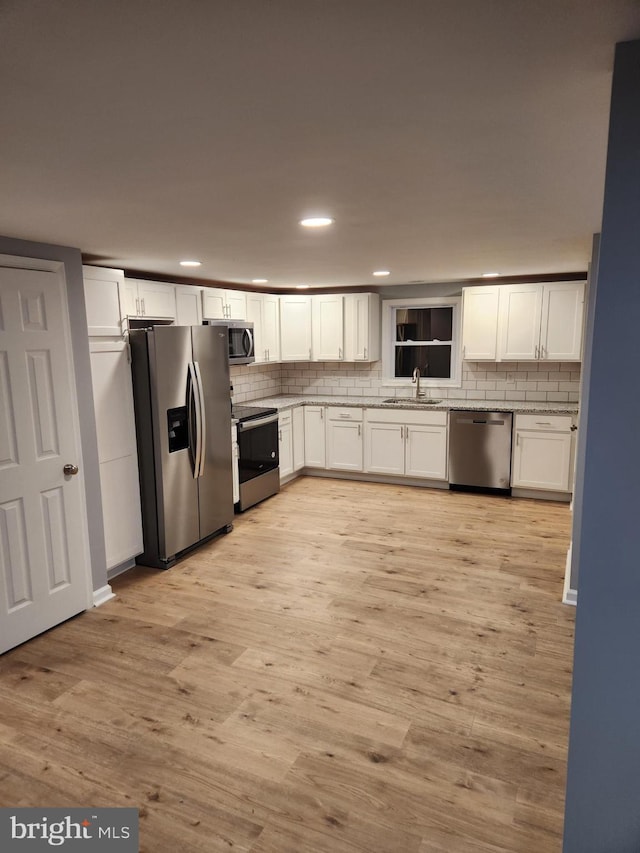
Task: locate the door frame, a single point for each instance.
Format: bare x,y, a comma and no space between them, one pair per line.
58,268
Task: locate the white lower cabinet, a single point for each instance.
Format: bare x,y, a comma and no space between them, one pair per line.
285,443
314,437
406,443
298,437
117,451
344,438
542,452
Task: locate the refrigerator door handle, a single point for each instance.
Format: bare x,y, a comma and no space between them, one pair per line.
202,427
195,435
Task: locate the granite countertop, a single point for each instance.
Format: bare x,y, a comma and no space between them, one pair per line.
282,402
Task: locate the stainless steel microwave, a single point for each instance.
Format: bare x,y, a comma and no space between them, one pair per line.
241,341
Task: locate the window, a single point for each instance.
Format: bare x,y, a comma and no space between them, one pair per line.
422,333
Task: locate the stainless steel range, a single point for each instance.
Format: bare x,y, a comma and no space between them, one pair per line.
259,461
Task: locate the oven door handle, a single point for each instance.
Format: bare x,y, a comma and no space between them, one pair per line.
258,422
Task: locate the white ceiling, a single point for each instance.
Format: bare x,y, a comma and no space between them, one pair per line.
447,137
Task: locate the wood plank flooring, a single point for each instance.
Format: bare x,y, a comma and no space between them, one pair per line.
356,667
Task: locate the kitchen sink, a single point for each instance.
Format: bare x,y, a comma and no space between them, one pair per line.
422,401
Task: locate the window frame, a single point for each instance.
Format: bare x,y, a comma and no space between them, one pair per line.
389,307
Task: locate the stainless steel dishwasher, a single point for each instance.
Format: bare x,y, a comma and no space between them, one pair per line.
480,449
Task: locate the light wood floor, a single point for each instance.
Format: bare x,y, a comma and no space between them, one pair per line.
356,667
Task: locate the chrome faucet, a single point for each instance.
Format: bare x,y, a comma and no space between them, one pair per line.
416,378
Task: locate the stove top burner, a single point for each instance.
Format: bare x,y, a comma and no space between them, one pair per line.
249,413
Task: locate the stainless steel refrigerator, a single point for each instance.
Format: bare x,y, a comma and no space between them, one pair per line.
183,426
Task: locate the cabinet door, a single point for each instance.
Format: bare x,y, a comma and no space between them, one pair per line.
298,437
285,444
361,327
562,321
236,304
542,460
314,437
520,313
102,301
130,305
255,314
480,323
344,445
213,304
328,327
271,326
188,305
384,448
117,451
426,451
157,299
295,328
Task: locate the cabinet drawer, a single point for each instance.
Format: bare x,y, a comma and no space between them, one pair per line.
344,413
547,423
438,417
284,418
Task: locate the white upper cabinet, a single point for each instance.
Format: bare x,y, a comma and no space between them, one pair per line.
295,328
213,304
562,321
102,294
188,305
154,299
541,321
218,304
327,312
480,323
361,327
271,326
263,311
520,313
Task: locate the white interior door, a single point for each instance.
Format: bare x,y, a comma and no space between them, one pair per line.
44,562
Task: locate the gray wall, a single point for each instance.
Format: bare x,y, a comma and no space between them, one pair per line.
603,790
72,261
581,454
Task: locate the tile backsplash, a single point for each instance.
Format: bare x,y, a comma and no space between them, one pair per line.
540,382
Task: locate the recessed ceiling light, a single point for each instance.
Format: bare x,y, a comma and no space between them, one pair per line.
190,263
316,221
302,287
490,274
259,280
382,272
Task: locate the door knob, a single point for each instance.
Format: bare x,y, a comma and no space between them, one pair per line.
70,470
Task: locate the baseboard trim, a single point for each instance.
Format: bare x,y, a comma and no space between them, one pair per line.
102,595
120,569
363,477
541,495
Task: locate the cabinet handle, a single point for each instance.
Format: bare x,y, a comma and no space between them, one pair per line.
321,414
543,352
543,423
401,433
280,434
137,305
359,432
309,353
537,351
144,313
365,353
464,351
339,352
517,439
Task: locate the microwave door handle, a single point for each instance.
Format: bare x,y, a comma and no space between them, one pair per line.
249,347
193,416
202,430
